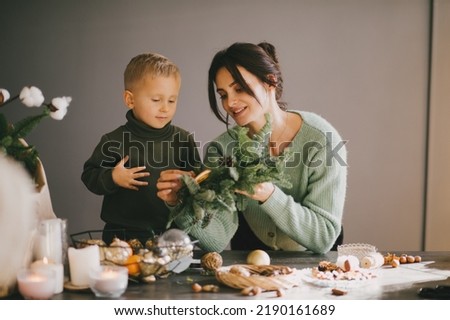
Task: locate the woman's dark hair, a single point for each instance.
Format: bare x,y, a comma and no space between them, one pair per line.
260,60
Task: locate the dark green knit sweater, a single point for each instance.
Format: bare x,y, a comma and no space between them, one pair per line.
157,149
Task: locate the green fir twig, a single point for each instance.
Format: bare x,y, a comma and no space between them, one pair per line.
249,164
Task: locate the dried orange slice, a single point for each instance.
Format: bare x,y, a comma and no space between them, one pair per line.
202,176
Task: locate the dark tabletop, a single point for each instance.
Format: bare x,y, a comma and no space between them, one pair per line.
178,286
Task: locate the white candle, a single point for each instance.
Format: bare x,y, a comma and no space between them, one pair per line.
109,281
36,284
81,261
50,240
57,268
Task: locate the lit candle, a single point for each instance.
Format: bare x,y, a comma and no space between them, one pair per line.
57,268
36,284
81,261
108,281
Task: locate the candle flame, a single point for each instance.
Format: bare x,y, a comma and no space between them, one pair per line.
109,274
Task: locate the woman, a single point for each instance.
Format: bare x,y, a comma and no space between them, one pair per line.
248,81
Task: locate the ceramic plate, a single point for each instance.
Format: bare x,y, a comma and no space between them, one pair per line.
71,287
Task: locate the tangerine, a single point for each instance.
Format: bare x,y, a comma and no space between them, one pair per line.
132,265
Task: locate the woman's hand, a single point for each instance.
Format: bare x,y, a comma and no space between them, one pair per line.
262,191
168,184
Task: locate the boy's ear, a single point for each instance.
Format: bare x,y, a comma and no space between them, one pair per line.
128,99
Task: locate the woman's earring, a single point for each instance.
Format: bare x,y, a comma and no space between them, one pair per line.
273,80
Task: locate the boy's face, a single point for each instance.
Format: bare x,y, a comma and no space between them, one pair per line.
154,99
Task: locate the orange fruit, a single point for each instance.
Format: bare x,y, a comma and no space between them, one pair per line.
132,265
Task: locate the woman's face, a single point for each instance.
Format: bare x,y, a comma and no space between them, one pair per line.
242,107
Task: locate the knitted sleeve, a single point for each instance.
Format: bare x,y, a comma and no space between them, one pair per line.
97,170
216,235
315,221
193,157
222,227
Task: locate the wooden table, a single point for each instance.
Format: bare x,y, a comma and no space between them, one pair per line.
178,286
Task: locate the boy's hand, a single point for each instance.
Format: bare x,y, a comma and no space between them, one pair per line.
126,178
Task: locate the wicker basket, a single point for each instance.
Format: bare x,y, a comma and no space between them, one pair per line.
359,250
164,259
268,277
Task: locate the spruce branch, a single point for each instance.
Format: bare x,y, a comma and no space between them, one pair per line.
249,164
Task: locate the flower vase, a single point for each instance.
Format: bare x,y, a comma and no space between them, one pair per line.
44,208
43,202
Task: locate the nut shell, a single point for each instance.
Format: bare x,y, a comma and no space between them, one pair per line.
211,261
135,245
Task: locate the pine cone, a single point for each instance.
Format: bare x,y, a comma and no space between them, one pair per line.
211,261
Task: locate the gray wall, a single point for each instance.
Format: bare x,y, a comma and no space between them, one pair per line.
361,64
438,204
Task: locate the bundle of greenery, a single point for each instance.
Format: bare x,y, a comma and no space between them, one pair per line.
249,164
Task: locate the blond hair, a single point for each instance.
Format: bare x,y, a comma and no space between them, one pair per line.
153,64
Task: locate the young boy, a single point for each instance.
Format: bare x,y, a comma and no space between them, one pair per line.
126,163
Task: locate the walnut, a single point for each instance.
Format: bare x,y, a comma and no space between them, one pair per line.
90,242
136,245
327,266
150,243
118,251
211,261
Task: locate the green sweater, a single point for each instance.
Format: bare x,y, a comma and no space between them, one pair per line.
307,216
157,149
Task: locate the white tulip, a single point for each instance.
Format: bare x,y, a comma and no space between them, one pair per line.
31,96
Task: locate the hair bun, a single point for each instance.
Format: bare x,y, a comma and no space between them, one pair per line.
269,49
